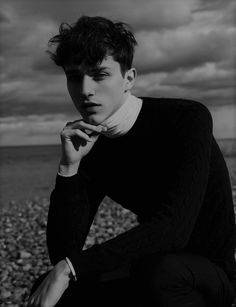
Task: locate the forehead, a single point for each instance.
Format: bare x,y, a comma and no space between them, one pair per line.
107,63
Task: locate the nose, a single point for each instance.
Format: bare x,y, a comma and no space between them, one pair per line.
88,86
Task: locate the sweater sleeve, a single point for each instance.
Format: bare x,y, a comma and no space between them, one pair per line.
173,220
73,205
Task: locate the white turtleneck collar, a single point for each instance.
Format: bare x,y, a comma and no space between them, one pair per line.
123,119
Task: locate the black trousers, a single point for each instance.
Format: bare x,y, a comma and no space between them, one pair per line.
163,280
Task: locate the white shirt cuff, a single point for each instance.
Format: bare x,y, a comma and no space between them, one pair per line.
71,268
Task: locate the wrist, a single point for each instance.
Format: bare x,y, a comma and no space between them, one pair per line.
62,271
68,169
64,267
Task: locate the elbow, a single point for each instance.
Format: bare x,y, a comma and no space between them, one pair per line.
181,238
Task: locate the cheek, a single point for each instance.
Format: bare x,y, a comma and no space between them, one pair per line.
114,87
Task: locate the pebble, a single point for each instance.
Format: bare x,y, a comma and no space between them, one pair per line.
6,294
27,267
24,254
23,251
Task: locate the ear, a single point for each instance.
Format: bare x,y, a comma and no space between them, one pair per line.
130,77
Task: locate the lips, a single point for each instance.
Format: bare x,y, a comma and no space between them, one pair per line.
89,105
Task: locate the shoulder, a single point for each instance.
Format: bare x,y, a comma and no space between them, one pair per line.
175,110
181,103
197,114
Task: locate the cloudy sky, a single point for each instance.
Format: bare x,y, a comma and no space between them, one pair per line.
186,49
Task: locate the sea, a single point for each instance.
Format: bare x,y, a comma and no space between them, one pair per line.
28,172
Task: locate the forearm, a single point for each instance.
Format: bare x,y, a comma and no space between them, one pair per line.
49,292
73,205
67,217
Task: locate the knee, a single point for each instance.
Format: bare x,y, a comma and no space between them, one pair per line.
157,276
170,271
164,271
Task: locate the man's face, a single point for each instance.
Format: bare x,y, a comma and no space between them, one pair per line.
98,92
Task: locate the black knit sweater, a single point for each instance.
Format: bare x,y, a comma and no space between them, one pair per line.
168,170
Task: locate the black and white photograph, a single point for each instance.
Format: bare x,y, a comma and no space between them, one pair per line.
118,153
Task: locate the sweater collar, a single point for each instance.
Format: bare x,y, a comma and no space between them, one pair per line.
123,119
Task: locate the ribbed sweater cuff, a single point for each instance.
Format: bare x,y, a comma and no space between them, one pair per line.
67,185
84,269
82,264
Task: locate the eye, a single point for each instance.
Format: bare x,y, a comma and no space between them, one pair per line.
100,76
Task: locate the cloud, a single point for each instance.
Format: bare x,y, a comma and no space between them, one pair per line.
182,48
43,64
153,15
40,95
186,49
205,77
32,129
3,19
213,4
148,15
207,83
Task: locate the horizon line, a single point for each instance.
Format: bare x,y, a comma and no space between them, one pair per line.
58,144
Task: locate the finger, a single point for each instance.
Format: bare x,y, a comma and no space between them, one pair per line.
76,132
68,123
93,128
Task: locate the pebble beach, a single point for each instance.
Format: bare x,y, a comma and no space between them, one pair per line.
23,252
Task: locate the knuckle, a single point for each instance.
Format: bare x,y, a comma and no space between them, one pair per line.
62,134
68,123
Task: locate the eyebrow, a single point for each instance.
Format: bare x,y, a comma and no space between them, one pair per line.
92,70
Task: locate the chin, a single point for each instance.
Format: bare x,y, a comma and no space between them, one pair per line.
94,119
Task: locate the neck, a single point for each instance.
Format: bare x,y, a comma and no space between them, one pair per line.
123,119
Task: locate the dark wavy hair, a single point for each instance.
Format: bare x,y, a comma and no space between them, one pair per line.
90,40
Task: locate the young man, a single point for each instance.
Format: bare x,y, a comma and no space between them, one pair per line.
157,158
